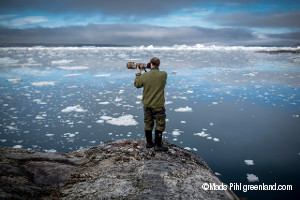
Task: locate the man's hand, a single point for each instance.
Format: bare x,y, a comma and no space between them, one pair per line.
139,70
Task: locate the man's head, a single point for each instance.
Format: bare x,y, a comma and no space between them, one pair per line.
154,62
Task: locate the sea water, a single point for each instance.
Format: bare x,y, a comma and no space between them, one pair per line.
236,108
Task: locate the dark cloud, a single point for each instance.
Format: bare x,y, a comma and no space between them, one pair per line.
127,8
130,34
262,19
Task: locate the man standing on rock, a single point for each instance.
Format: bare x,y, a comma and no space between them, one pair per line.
153,83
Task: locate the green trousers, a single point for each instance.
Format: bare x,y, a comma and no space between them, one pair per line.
155,114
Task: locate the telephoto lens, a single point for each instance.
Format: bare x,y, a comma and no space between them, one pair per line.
134,65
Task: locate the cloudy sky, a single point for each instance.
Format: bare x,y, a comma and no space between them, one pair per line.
155,22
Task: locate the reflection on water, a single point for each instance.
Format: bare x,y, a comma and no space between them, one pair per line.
237,109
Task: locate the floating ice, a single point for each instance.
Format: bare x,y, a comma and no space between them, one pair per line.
249,162
12,128
251,74
182,122
100,121
175,133
50,150
105,117
202,134
168,102
43,83
61,62
73,67
49,134
186,109
102,75
17,146
216,139
190,91
7,60
73,109
211,124
188,148
218,174
252,178
67,75
14,80
3,140
104,103
125,120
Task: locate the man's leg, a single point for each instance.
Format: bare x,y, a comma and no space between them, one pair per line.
160,118
149,123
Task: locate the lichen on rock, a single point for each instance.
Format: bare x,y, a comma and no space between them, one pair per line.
120,169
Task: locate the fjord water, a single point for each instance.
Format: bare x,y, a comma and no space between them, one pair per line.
234,107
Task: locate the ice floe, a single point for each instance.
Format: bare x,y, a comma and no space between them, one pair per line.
76,108
7,60
18,146
43,83
61,62
14,80
252,178
125,120
249,162
102,75
73,67
184,109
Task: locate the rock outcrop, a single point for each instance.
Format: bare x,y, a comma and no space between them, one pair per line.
121,169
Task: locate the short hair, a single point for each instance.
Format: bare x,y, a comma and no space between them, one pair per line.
155,62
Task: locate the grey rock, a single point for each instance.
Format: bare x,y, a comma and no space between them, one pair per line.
121,169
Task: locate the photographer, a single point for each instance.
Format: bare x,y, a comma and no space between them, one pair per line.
153,83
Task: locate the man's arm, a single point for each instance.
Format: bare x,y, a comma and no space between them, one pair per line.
138,82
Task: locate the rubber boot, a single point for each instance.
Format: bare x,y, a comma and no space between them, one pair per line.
158,142
148,135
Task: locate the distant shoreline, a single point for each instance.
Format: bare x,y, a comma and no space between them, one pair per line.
296,51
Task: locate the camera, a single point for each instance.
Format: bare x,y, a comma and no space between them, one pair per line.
141,66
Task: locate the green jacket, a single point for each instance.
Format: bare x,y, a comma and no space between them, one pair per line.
154,83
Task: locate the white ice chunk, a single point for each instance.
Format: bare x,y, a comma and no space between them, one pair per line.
216,139
249,162
61,62
202,134
252,178
188,148
186,109
100,121
14,80
125,120
102,75
49,135
105,117
73,109
175,133
17,146
43,83
7,60
67,75
104,103
73,67
168,102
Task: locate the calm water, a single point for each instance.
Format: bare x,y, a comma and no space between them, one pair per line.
237,109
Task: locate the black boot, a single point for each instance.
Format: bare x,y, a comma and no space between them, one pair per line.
148,135
158,142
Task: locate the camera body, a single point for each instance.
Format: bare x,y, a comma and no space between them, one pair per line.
142,66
